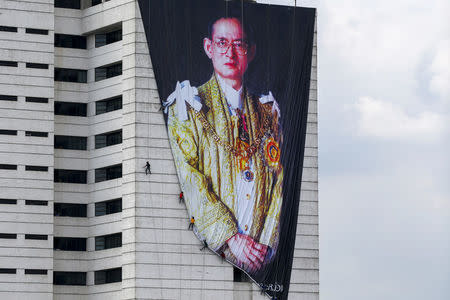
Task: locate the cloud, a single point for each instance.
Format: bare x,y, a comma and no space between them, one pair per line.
440,70
385,120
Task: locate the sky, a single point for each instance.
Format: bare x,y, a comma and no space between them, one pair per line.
384,143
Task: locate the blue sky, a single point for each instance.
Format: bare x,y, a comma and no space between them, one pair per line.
384,143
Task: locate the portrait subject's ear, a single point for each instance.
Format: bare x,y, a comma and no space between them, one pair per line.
207,45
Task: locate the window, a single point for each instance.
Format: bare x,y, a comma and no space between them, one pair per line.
74,4
8,63
69,278
35,272
7,271
95,2
36,66
36,133
69,244
36,168
36,31
70,210
70,109
70,75
70,176
103,39
108,276
8,132
36,202
108,139
239,276
8,98
107,105
8,28
36,99
8,201
8,167
108,241
70,142
108,71
70,41
108,173
108,207
10,236
42,237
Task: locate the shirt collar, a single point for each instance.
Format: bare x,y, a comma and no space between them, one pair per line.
233,97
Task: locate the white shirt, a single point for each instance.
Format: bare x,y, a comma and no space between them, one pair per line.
244,190
234,98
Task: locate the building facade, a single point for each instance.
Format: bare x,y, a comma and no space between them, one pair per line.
80,117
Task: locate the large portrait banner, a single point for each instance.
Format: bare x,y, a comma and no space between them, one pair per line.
233,78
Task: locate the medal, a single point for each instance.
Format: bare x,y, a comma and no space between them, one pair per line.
248,175
271,151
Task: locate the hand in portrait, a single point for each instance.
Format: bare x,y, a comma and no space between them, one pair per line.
249,254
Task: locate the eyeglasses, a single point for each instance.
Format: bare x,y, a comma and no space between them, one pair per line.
223,45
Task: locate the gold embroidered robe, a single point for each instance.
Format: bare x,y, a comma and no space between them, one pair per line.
208,172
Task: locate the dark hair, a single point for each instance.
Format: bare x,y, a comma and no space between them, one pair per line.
233,12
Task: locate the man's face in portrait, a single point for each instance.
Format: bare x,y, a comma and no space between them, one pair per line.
228,49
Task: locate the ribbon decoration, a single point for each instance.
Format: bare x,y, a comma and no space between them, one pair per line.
183,93
269,98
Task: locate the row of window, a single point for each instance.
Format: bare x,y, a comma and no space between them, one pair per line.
74,108
8,63
74,278
102,242
80,109
74,209
27,30
100,277
27,133
79,278
75,4
110,71
27,168
80,210
27,99
27,202
80,142
27,271
13,236
80,42
69,75
74,41
80,176
80,76
74,176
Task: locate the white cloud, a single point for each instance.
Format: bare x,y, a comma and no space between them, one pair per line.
440,70
386,120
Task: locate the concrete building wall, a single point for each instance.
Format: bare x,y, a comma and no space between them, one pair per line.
160,259
101,18
22,150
